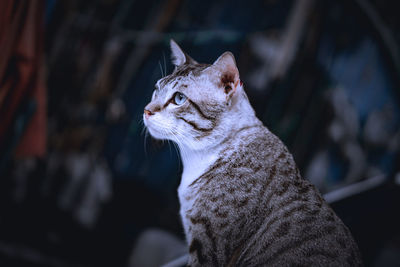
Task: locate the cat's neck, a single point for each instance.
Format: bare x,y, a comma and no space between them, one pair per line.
195,164
196,161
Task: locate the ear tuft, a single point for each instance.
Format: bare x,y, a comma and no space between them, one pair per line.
229,73
177,55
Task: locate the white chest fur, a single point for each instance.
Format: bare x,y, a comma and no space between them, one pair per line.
193,167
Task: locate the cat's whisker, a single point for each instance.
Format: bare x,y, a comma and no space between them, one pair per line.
243,201
169,147
146,134
179,155
187,137
188,143
161,70
165,66
179,137
144,128
175,144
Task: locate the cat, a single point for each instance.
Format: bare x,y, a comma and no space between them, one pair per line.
243,200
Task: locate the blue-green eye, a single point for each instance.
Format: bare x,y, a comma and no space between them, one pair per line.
179,98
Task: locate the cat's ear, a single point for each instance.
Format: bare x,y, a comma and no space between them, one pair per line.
226,65
178,56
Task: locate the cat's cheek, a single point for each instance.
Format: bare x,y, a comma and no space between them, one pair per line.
155,134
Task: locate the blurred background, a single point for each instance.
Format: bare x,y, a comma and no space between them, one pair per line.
80,183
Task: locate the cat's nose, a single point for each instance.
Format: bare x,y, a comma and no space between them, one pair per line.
147,113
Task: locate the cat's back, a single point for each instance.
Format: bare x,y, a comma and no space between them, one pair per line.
258,210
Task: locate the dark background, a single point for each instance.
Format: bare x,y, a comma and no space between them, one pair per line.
322,75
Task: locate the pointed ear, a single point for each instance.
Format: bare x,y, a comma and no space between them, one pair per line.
229,73
226,64
178,56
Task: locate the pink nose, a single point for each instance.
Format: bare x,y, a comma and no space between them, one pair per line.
148,113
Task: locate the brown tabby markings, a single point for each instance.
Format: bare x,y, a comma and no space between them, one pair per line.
278,217
184,71
327,230
207,225
212,119
196,246
195,126
235,254
243,200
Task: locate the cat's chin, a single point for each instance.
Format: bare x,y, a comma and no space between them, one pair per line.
155,134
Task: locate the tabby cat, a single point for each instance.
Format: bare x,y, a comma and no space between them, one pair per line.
243,201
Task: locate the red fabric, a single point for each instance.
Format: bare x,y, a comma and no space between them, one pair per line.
21,71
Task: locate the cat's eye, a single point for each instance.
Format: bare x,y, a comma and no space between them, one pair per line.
179,98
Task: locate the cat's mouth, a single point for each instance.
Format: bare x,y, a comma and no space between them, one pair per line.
154,131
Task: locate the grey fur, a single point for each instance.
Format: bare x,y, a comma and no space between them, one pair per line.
243,201
254,209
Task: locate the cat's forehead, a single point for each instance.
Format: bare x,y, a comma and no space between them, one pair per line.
182,74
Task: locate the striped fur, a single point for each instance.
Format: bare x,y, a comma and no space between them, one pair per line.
243,201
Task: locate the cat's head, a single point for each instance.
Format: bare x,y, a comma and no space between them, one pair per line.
198,103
